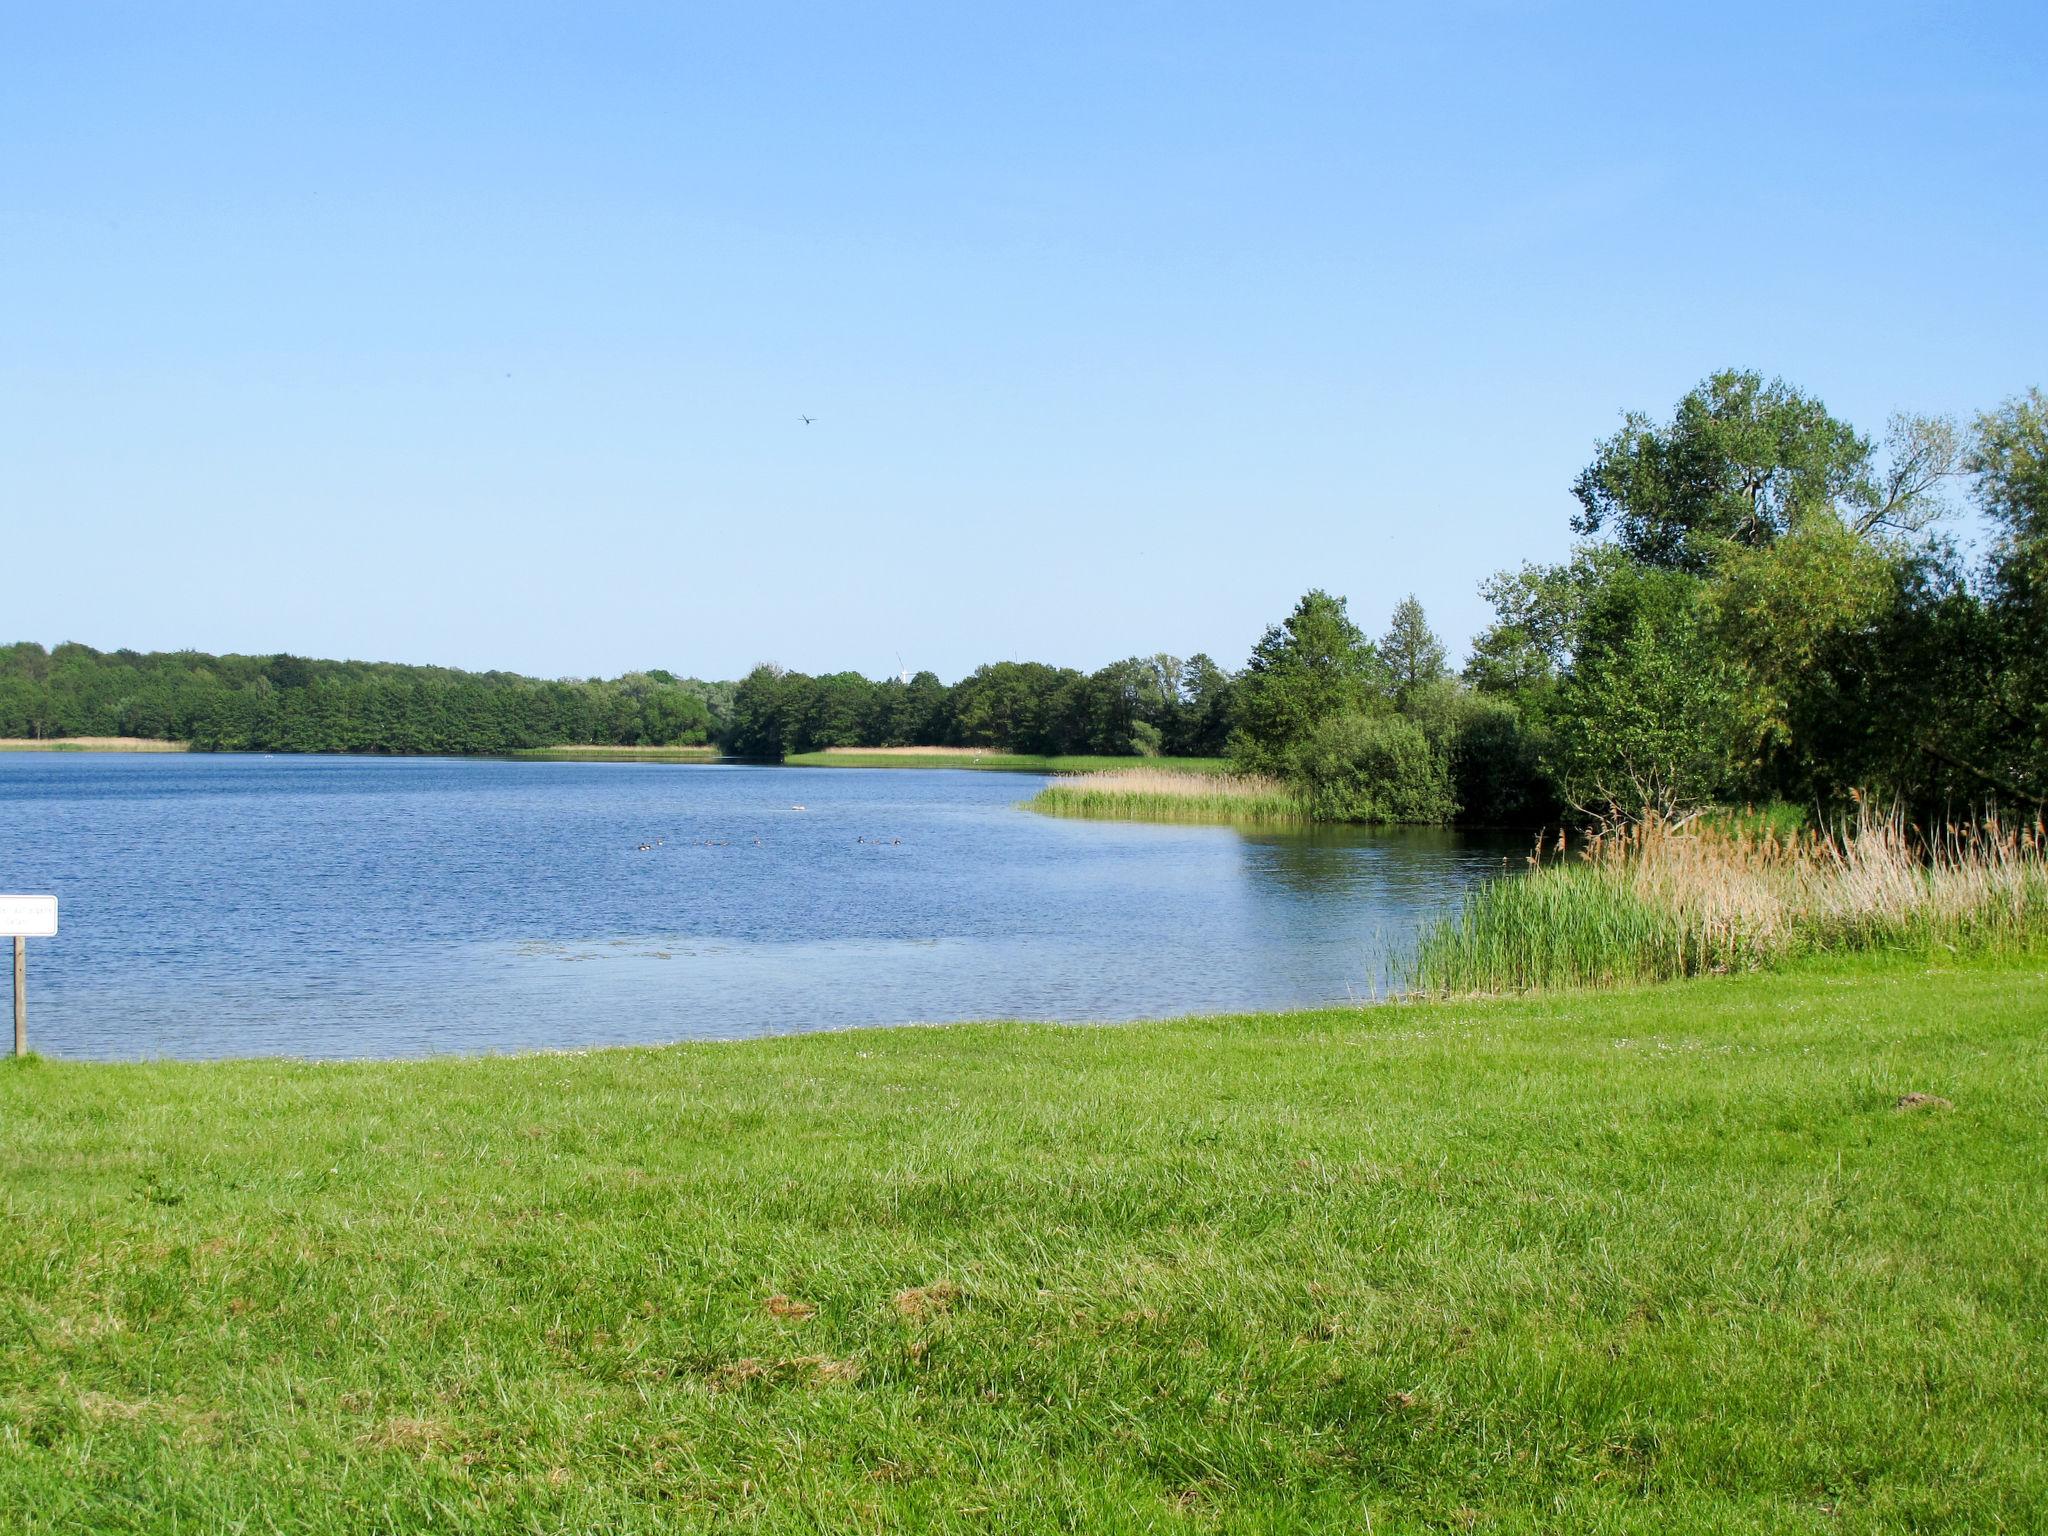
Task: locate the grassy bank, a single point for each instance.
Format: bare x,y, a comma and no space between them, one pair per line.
1655,903
1168,794
90,744
969,757
1650,1261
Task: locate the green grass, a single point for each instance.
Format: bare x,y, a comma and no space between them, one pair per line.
1663,1260
1009,762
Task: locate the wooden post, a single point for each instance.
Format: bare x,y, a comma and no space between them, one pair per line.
20,995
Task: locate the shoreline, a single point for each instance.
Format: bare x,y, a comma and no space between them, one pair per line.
850,757
1844,969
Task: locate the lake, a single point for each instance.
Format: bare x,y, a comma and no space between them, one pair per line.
332,907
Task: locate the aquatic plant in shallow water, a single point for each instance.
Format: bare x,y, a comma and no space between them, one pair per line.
1654,902
1165,794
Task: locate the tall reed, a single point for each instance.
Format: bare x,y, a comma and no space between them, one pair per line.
1654,902
1165,794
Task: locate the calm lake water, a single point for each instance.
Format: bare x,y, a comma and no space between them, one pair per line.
229,905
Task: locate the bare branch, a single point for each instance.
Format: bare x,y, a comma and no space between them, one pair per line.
1921,454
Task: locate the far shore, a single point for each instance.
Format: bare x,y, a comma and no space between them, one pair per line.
599,752
91,744
987,758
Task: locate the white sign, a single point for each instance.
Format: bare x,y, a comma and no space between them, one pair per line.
28,917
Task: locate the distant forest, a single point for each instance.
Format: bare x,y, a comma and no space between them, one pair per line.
294,704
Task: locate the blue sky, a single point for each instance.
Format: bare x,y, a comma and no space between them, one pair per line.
479,334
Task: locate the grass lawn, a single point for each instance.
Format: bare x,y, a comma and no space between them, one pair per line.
1016,762
1663,1260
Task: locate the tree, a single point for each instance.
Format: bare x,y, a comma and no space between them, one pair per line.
1207,711
2010,462
761,722
1642,717
1537,611
1413,655
1309,668
1904,494
1741,461
1774,612
1899,706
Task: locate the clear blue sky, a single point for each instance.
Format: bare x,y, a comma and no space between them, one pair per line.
478,334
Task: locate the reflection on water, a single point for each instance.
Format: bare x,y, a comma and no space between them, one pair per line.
347,906
1317,862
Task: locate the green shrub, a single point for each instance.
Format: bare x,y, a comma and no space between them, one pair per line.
1494,750
1373,768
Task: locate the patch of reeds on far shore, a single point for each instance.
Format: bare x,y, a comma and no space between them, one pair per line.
1655,902
91,744
1167,794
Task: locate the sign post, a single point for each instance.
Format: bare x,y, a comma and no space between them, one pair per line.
25,918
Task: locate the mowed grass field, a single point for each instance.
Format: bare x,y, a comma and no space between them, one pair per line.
1663,1260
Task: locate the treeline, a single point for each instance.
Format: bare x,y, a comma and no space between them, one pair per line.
292,704
1144,706
1141,707
1766,606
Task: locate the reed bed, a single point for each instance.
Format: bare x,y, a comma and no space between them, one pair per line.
600,753
1656,902
91,744
1168,794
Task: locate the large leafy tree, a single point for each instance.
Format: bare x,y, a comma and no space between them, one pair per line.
1537,611
1776,613
1311,667
1741,461
1896,706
